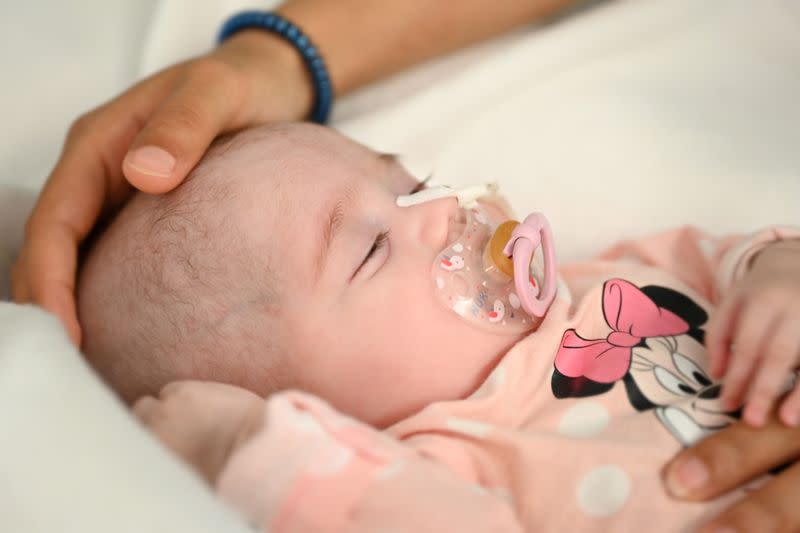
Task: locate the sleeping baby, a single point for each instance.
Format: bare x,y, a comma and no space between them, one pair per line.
335,347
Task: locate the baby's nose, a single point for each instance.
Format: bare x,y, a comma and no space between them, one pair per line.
431,221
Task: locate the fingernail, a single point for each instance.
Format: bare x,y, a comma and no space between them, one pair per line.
686,477
151,160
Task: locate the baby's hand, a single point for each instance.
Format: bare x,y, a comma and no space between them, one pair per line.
754,336
202,422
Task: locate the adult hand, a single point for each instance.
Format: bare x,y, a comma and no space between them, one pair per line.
150,137
730,458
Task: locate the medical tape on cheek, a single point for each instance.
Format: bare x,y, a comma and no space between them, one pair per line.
477,274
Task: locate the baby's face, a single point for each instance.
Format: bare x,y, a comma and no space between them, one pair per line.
361,325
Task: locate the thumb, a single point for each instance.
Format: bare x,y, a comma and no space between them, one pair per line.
179,132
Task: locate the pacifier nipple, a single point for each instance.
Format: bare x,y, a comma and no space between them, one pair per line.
494,256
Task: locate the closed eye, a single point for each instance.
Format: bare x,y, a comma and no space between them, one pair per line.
380,241
422,185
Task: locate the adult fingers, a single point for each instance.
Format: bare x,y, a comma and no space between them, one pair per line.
53,285
86,179
208,101
771,509
57,300
728,458
67,208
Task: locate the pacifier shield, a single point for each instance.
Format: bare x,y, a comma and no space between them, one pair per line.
468,279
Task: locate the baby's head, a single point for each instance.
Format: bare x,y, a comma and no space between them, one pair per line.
283,261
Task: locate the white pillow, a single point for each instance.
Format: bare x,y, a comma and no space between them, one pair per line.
73,459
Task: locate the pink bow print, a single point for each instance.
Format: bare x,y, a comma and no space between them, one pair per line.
633,316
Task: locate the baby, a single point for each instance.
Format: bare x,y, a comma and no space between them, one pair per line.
286,263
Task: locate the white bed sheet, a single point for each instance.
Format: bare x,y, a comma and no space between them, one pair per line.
628,119
632,116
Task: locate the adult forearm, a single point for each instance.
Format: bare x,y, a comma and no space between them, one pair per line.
365,40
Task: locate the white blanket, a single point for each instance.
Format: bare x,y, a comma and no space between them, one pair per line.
627,118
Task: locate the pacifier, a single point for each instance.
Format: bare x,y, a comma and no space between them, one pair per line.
498,274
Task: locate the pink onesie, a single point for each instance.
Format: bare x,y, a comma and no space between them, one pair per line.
568,432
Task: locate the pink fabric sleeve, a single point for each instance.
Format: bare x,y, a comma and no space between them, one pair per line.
313,469
736,261
708,264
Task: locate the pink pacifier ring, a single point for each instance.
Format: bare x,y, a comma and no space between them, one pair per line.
533,232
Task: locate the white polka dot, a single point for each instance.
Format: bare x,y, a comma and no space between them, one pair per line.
603,491
498,376
479,490
584,419
473,428
439,282
495,380
304,422
391,470
706,247
329,458
458,247
562,292
513,299
502,492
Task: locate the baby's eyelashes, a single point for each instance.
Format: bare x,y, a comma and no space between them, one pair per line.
381,241
422,185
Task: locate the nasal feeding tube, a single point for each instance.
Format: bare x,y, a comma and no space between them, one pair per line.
498,274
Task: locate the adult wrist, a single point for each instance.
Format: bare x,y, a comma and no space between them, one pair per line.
282,88
278,25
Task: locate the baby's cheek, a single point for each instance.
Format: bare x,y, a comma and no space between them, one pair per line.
454,351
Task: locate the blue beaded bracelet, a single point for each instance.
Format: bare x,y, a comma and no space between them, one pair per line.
275,23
